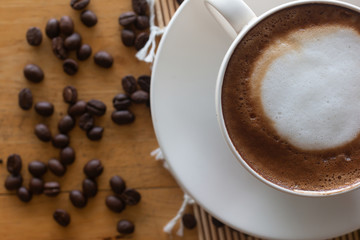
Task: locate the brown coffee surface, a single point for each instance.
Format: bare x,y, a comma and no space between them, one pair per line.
251,132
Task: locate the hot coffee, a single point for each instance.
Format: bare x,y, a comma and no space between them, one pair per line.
291,97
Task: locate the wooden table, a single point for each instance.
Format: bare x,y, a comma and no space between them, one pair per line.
124,150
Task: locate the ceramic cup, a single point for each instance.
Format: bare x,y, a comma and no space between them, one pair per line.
238,19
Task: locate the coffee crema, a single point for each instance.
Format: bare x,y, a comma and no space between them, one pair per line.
291,97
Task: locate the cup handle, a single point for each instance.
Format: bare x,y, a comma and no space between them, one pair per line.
232,15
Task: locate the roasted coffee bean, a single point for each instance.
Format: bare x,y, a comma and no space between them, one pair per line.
34,36
125,227
86,121
189,220
128,37
127,18
95,133
96,107
36,185
131,196
144,82
66,25
121,101
59,48
51,189
33,73
13,182
141,40
117,184
84,52
139,96
66,124
25,99
56,167
44,109
78,199
122,117
216,222
14,164
1,161
37,168
129,84
89,187
73,42
61,217
77,109
60,140
140,6
43,132
24,194
70,94
93,168
103,59
88,18
142,22
70,66
67,156
115,203
52,28
79,4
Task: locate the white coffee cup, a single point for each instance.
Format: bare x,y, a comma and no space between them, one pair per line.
238,19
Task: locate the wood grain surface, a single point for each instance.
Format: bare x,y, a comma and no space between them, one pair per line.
124,150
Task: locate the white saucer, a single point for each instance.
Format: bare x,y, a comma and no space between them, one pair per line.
182,103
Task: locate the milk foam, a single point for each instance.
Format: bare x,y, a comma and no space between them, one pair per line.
309,86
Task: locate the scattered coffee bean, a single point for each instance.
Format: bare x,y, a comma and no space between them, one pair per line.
33,73
127,18
66,25
86,121
128,37
52,28
88,18
61,217
77,109
122,117
142,22
216,222
79,4
84,52
59,48
24,194
117,184
144,82
56,167
67,156
121,101
1,161
140,6
36,185
125,227
13,182
129,84
70,66
103,59
60,140
140,96
66,124
78,199
34,36
115,203
70,94
44,109
96,107
37,168
89,187
131,196
189,220
93,168
141,40
25,99
51,189
43,132
95,133
14,164
73,42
